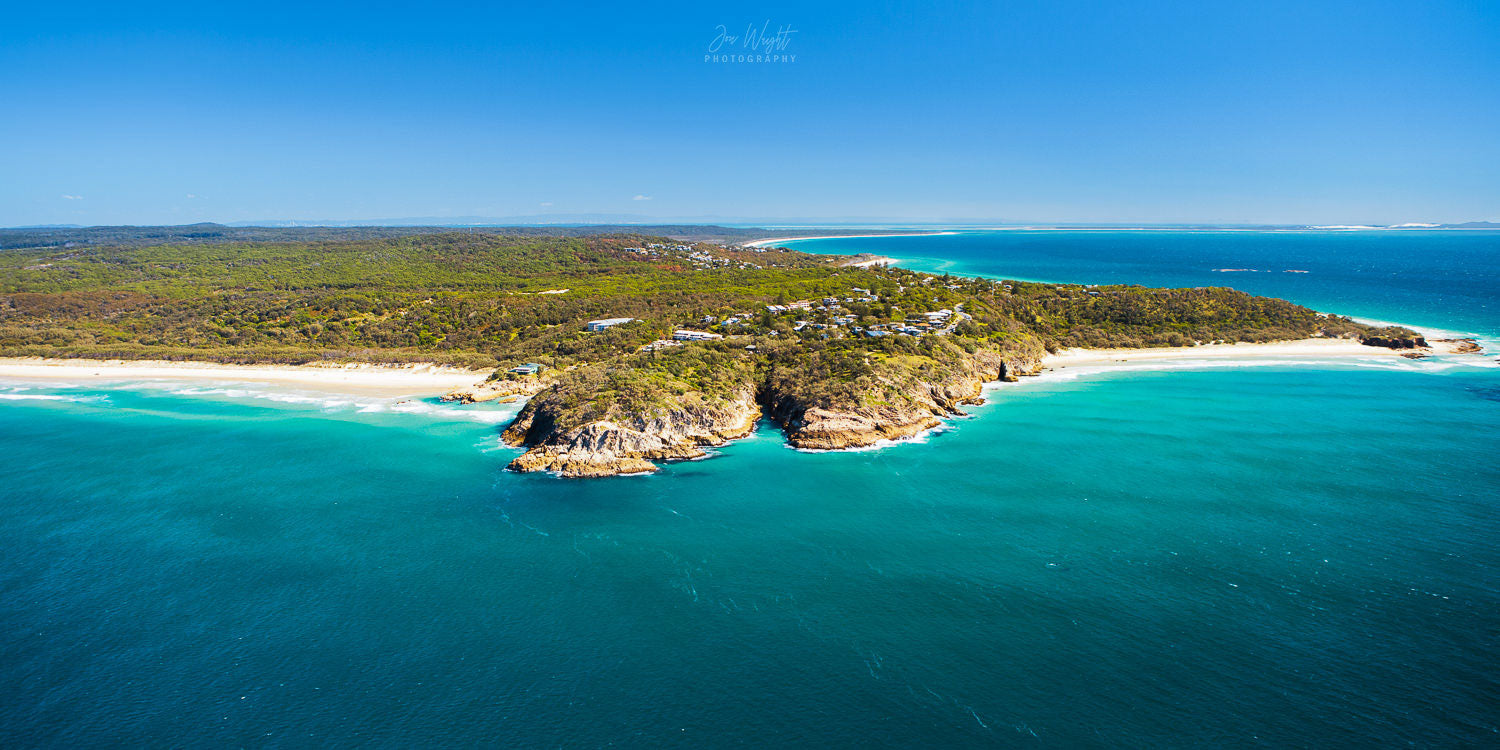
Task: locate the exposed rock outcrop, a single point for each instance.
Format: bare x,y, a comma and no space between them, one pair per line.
1394,338
492,390
818,426
822,429
630,444
574,431
1461,346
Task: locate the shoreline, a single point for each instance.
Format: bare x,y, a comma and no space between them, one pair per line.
410,379
879,260
1310,349
358,379
761,243
1301,352
418,381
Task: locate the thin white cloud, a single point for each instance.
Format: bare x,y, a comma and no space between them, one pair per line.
641,198
191,196
67,197
545,204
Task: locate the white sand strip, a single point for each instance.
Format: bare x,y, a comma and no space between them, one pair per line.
416,379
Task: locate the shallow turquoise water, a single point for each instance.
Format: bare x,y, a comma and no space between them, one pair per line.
1233,555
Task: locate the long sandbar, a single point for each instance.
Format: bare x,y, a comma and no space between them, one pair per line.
774,240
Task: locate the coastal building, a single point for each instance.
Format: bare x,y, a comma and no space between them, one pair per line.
603,323
682,334
530,368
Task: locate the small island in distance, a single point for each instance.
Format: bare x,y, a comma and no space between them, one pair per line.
632,347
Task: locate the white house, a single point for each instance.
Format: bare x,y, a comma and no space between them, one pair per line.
603,323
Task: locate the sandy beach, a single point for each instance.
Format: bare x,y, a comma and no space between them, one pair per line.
366,379
428,379
1306,348
880,260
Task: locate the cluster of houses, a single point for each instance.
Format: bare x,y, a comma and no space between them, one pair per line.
702,259
938,322
799,305
657,249
679,336
699,258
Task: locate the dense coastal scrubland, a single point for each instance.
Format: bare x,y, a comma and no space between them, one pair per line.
837,351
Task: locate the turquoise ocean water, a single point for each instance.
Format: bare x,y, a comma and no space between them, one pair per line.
1268,555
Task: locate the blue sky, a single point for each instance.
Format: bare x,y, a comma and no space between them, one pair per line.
1297,112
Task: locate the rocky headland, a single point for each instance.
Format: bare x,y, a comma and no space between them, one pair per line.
626,443
894,408
569,434
627,417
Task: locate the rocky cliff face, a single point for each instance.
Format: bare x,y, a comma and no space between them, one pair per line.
628,444
564,437
1395,342
924,405
1393,337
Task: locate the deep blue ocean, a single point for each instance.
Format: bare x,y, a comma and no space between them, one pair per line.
1274,555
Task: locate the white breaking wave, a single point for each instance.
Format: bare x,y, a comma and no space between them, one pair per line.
311,399
52,397
1428,331
323,401
357,404
883,443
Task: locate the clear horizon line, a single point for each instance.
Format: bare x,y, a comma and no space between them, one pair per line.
783,223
